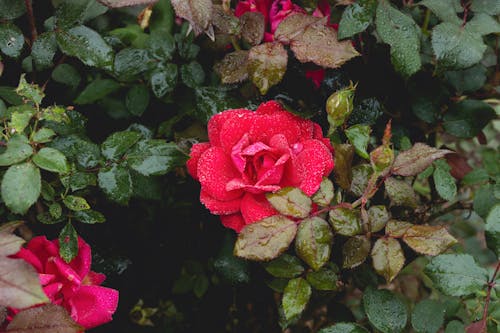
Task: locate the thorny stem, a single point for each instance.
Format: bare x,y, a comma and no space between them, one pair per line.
31,17
329,208
465,6
491,285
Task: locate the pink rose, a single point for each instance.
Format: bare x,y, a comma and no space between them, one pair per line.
254,153
72,285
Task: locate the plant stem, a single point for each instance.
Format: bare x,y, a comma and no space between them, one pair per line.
31,17
425,25
491,285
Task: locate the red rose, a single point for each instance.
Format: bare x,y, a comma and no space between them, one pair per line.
72,285
253,153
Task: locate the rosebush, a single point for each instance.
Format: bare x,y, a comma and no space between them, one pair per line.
349,148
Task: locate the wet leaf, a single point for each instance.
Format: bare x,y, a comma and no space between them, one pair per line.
43,50
18,149
118,143
285,266
137,99
49,318
378,216
443,9
155,157
252,27
21,186
11,9
11,40
89,216
21,118
313,243
402,34
225,22
467,118
52,160
323,279
345,221
197,12
233,68
325,193
192,74
76,203
356,18
267,65
385,311
43,135
413,161
343,328
388,258
344,154
430,240
291,201
400,193
360,176
293,26
130,62
116,182
492,229
355,251
358,136
266,239
444,181
295,298
397,229
125,3
163,80
428,316
456,274
68,243
30,91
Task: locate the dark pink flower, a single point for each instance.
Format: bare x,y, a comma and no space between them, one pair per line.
254,153
72,285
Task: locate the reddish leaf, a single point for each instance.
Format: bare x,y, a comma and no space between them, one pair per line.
226,22
125,3
252,27
477,327
198,13
267,65
459,165
9,244
49,318
293,26
234,67
416,159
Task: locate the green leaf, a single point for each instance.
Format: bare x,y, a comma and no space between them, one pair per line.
325,193
18,149
378,216
212,100
87,45
388,258
71,13
467,118
21,186
427,239
267,65
161,45
402,34
116,182
76,203
30,91
456,47
492,229
155,157
343,328
137,99
413,161
67,75
266,239
456,274
386,312
444,181
11,9
192,74
130,63
313,243
467,80
163,80
355,251
443,9
52,160
233,67
118,143
68,243
43,135
291,201
21,118
295,298
232,269
323,279
55,210
163,16
43,50
397,229
428,316
400,193
345,221
10,96
455,326
11,40
491,7
89,216
87,154
356,18
358,136
483,24
360,176
476,176
97,90
285,266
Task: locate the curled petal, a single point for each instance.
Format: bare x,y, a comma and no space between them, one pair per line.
31,258
92,306
233,221
216,122
43,248
218,207
255,207
192,163
313,163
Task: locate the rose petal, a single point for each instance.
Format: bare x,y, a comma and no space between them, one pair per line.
312,164
237,153
215,170
30,258
43,248
273,119
52,290
273,175
255,207
218,207
92,306
233,221
215,124
63,271
82,262
45,279
94,278
192,163
234,128
238,184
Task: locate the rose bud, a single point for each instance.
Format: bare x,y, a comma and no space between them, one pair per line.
339,106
